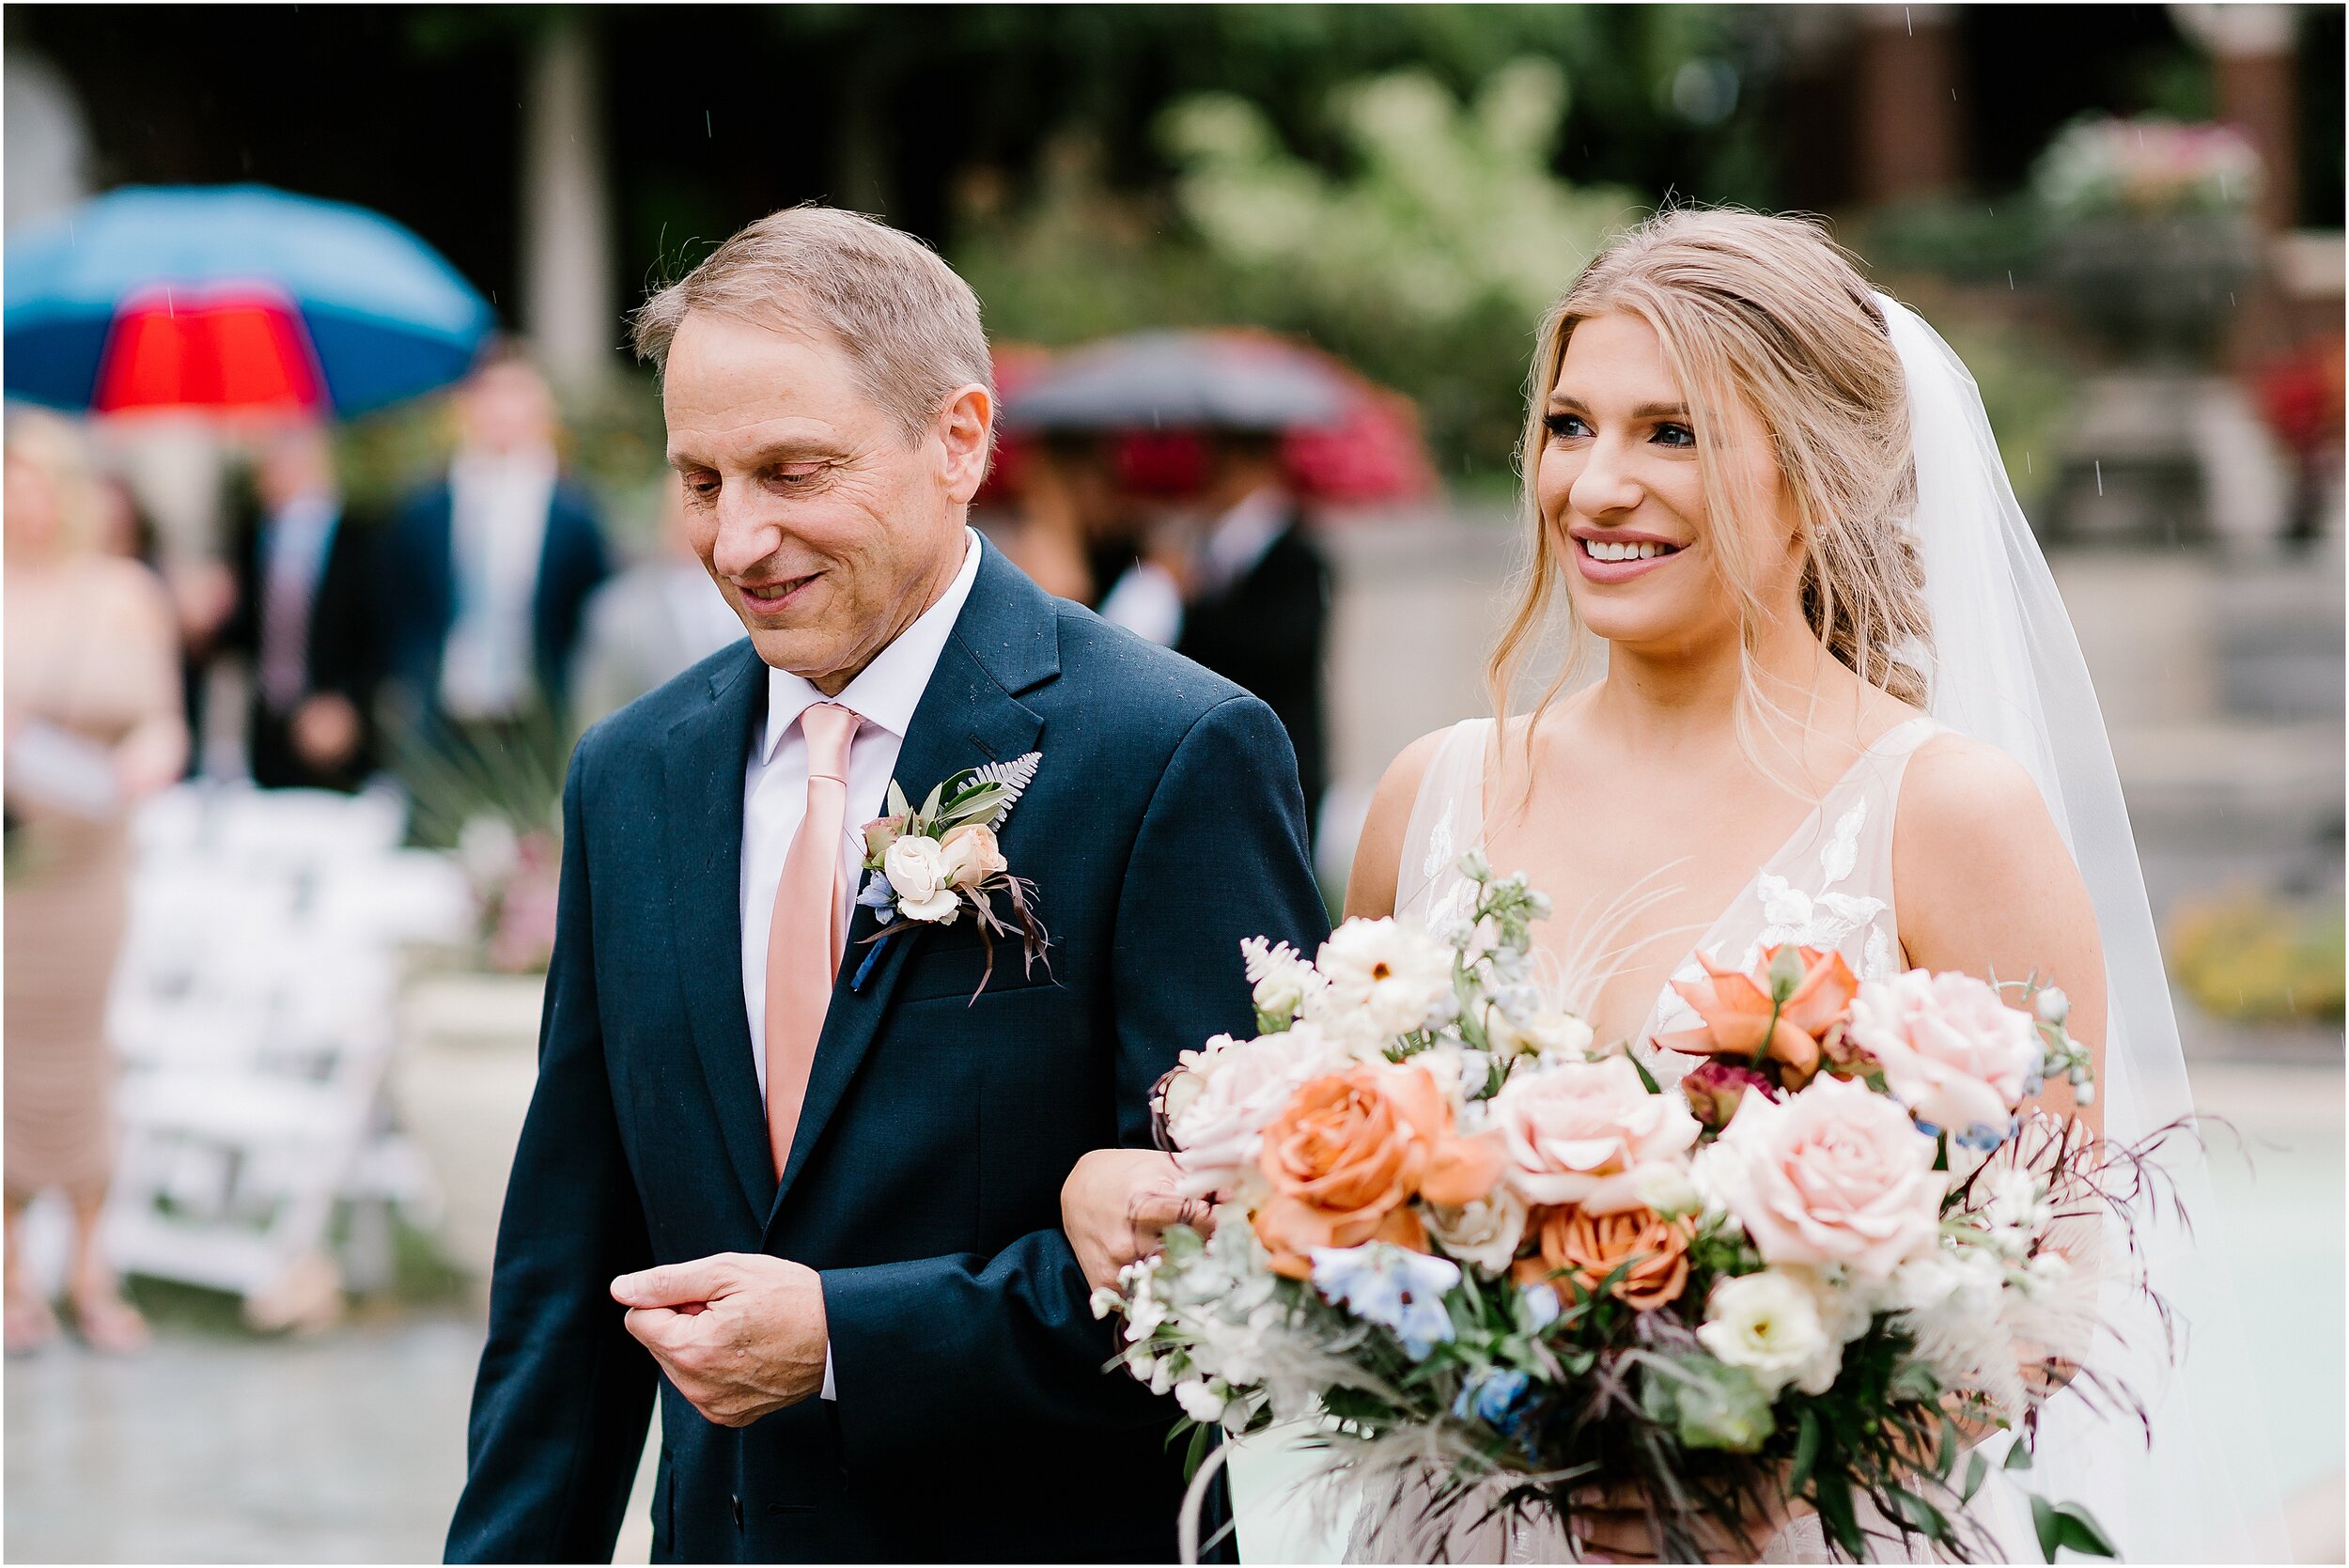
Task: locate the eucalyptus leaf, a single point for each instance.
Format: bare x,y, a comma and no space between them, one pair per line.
1977,1471
2077,1529
2019,1457
1645,1077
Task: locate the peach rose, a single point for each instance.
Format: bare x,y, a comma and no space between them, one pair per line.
1836,1173
1350,1152
1579,1133
971,856
1741,1020
1586,1248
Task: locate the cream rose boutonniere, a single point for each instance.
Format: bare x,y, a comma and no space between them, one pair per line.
927,867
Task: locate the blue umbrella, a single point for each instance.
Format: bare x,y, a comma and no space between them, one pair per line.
181,296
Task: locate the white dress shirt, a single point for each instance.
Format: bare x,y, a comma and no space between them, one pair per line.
774,787
497,505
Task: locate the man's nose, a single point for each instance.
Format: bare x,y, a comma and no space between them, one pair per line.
745,538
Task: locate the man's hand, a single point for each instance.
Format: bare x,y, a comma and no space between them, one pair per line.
740,1334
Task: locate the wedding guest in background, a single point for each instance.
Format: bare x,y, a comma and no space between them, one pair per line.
652,621
93,722
305,619
1255,595
486,575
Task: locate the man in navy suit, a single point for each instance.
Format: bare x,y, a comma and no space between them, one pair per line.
484,576
838,1259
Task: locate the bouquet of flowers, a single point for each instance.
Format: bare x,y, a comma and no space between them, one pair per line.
1507,1266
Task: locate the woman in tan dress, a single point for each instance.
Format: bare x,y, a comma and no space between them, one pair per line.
93,724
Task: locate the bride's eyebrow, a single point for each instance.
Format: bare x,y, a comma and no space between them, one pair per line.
1565,403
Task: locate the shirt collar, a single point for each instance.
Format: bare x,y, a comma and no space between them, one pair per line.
886,691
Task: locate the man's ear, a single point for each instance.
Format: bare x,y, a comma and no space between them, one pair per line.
966,428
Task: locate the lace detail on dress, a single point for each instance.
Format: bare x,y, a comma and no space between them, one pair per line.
1836,896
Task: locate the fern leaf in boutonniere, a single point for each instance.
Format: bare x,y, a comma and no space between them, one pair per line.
930,867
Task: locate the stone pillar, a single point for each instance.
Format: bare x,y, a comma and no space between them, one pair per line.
569,311
1908,134
2253,51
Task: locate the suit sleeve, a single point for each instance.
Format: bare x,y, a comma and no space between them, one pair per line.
560,1407
922,1346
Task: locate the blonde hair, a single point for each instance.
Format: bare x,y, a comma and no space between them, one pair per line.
908,323
57,446
1770,313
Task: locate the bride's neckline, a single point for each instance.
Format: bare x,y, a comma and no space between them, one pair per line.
1804,834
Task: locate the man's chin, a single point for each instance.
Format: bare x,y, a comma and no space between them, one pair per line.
797,652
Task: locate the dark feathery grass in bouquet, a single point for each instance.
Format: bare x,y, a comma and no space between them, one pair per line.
1506,1267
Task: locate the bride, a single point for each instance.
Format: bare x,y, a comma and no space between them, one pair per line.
1839,706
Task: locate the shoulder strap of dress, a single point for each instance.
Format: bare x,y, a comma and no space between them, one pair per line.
1447,817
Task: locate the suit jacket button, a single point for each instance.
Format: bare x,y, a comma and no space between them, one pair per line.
736,1499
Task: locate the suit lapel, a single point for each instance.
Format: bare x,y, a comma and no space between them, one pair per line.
1004,642
705,759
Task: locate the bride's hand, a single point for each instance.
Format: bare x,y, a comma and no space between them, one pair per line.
1117,1204
1610,1524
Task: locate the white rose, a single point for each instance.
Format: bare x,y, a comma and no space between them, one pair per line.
1486,1233
1769,1325
916,869
970,856
1666,1187
1383,979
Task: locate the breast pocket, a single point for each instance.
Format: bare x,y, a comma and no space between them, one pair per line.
955,964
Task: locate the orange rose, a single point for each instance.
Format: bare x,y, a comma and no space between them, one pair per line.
1740,1020
1349,1153
1586,1249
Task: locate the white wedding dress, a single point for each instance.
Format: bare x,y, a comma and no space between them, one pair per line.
1829,886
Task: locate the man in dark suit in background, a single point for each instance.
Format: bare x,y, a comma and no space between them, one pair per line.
485,575
304,618
808,1187
1256,605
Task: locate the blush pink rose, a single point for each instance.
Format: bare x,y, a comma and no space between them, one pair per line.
1952,1050
1836,1173
1579,1133
1220,1101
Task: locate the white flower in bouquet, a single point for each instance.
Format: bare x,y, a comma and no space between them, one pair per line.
1579,1133
1835,1174
1201,1399
1513,1028
1952,1050
1769,1325
1217,1107
917,873
1486,1233
1383,979
1281,976
1666,1187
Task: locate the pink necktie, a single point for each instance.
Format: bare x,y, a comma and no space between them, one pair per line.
805,939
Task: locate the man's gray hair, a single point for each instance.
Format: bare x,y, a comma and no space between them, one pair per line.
906,320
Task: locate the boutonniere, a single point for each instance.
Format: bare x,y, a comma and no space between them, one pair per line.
927,867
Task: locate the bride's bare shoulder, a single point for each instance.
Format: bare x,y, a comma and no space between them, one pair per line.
1970,818
1378,854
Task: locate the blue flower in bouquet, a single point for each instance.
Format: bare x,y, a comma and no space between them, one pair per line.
1495,1397
1391,1286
